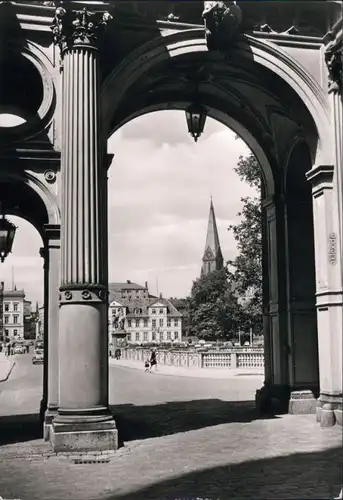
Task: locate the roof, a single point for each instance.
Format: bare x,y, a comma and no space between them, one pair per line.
13,293
128,285
142,304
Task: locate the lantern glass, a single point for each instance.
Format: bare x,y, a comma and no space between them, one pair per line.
196,118
7,233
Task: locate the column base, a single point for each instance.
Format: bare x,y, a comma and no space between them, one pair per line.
49,416
329,409
302,403
83,431
272,399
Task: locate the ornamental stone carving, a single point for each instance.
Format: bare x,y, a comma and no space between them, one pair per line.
222,21
333,59
72,28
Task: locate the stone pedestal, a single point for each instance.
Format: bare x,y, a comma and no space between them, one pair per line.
83,422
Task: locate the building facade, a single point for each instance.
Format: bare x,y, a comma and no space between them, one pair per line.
13,314
144,317
213,258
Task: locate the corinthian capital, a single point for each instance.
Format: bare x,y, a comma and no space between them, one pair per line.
222,20
333,59
72,28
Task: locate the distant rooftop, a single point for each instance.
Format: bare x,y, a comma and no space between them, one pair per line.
128,285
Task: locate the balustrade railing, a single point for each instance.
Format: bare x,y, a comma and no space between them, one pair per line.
248,358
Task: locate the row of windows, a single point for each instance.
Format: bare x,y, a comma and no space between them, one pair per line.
7,306
7,319
153,322
15,332
139,336
139,311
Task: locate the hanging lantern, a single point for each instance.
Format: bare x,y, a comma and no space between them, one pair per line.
196,118
7,233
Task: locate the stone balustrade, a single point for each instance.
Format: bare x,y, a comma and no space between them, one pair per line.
241,358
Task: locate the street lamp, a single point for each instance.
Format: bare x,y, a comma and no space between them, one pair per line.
196,118
7,233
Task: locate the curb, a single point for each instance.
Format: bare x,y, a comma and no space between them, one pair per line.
9,373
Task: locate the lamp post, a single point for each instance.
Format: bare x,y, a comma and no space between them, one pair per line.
7,233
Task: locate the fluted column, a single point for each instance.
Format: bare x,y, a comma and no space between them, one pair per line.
83,422
44,401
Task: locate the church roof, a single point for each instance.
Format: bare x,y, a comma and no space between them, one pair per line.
212,246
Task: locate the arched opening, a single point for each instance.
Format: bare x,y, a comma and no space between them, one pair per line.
237,90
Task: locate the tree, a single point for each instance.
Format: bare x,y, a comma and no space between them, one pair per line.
212,306
247,266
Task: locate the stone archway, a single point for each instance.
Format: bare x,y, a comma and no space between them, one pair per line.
235,88
27,197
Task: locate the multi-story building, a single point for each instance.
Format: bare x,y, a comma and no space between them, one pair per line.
13,314
144,317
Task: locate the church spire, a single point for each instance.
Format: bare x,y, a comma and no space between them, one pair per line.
213,257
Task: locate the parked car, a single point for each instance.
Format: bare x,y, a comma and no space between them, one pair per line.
38,357
19,349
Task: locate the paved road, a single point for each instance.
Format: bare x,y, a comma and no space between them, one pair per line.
183,439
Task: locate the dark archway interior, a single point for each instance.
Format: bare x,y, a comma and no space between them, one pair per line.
17,198
16,95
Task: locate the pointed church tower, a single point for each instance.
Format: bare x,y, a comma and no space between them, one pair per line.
213,257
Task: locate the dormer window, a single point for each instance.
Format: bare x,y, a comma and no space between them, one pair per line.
153,311
161,311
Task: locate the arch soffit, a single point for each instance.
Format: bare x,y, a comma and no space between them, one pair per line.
46,197
264,53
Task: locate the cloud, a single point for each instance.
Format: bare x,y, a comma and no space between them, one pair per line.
160,183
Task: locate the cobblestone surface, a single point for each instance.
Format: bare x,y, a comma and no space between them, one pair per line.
176,448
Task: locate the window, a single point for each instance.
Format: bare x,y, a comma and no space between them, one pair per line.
129,323
161,322
137,323
153,322
128,337
145,322
15,319
7,307
176,322
6,331
176,335
168,322
15,306
161,336
161,311
137,336
153,311
168,336
6,320
15,332
145,336
153,336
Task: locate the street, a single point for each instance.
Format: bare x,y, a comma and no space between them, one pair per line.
182,437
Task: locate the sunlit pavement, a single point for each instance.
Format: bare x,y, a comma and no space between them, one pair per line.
183,438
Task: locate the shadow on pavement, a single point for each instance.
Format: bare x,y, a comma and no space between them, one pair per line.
315,475
19,428
142,422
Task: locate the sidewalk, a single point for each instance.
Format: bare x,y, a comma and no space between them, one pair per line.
217,373
6,366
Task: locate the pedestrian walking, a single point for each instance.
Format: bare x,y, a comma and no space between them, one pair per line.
153,360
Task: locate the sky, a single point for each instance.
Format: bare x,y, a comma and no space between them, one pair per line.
160,184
